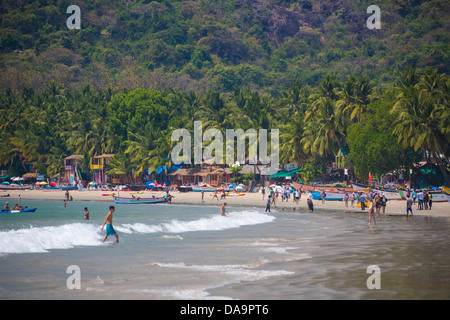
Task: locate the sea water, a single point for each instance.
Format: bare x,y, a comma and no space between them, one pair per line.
192,252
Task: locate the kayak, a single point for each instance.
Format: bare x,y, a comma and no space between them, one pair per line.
18,211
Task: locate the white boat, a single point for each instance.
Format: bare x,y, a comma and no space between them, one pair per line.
205,189
138,200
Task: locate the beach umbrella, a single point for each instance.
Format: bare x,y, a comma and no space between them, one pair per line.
5,182
53,183
42,183
90,183
17,179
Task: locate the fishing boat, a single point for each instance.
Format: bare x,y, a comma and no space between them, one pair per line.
61,188
438,196
18,211
205,189
447,192
14,187
121,200
329,196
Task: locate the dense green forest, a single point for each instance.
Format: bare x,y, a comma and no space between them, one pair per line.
219,45
137,70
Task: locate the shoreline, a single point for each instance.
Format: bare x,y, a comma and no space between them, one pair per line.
393,208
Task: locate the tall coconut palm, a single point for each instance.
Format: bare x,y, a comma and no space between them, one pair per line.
422,120
324,131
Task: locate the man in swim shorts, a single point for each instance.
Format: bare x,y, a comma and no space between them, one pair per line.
222,209
109,228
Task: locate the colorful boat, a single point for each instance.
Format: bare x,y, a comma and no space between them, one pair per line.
62,188
18,211
329,196
138,200
447,192
438,196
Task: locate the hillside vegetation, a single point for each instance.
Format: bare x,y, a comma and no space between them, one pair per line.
221,45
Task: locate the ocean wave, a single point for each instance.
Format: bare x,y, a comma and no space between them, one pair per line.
214,223
42,239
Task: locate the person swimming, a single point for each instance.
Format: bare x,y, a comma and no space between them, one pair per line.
223,209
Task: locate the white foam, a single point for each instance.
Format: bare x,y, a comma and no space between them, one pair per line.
42,239
214,223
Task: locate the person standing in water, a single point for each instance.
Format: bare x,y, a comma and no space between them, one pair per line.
109,228
222,209
86,213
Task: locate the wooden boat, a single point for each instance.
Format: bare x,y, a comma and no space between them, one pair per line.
205,189
446,190
61,188
305,187
18,211
138,200
329,196
438,196
14,187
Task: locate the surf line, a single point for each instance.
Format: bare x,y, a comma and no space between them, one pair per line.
192,310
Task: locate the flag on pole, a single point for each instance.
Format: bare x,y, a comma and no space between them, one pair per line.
370,177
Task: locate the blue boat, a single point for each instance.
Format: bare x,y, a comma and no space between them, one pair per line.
18,211
62,188
329,196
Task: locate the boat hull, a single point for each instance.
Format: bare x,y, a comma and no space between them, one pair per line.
18,211
138,200
329,196
205,189
61,188
437,196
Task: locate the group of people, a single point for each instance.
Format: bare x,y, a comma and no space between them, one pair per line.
285,196
424,199
6,207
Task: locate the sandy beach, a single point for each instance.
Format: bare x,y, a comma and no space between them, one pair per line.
394,207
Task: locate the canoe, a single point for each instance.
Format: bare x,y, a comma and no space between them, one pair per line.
205,189
437,196
235,194
329,196
18,211
62,188
119,200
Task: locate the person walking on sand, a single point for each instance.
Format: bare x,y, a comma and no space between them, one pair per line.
352,200
409,204
430,200
222,209
383,205
203,194
268,204
109,227
372,212
323,195
215,196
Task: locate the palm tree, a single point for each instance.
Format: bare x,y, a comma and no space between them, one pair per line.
422,116
324,130
355,96
120,165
